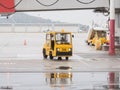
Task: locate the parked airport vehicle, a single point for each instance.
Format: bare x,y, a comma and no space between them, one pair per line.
58,44
97,37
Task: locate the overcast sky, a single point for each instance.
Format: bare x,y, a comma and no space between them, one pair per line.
75,16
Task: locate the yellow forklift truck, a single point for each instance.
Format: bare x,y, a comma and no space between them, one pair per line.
58,44
97,37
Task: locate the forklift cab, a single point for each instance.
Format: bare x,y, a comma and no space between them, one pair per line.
58,44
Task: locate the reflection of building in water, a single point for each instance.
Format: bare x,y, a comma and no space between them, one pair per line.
59,79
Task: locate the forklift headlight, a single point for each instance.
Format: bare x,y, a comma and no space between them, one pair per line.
69,49
58,49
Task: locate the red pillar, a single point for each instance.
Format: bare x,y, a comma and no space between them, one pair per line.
112,37
112,28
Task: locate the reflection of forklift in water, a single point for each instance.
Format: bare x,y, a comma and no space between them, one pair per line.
59,79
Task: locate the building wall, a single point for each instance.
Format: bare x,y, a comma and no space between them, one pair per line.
21,28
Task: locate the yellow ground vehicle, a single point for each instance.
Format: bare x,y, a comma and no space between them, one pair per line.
58,44
97,37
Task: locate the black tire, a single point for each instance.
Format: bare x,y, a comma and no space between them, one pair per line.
93,45
59,58
44,54
50,56
66,58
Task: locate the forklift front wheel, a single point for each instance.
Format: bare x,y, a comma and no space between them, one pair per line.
59,58
51,57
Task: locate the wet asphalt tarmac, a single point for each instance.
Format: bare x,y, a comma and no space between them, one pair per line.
23,67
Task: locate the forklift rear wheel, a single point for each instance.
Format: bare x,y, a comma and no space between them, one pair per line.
88,43
66,58
44,54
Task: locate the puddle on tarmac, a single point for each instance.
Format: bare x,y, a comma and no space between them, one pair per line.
64,67
56,81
